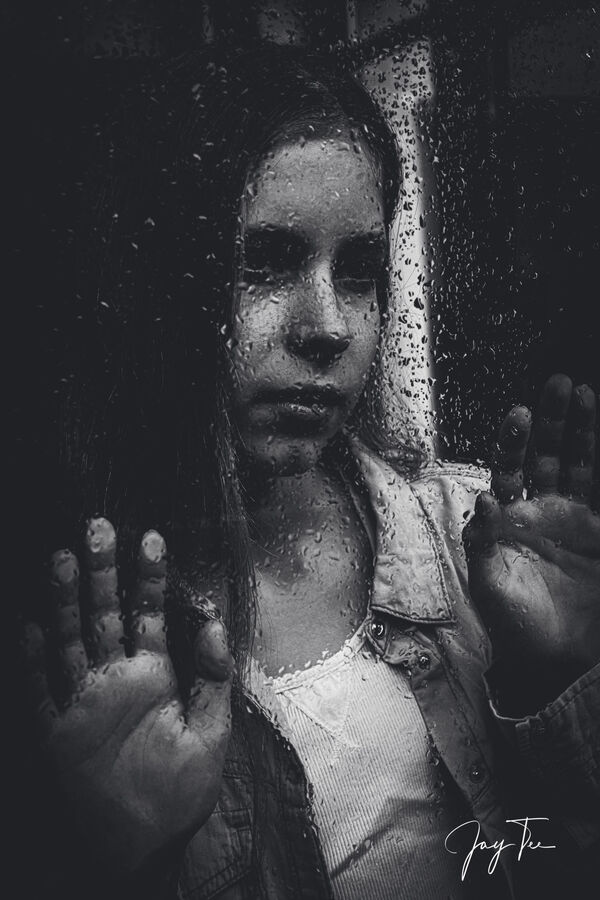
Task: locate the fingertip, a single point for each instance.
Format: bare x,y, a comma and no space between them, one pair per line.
153,547
486,504
211,651
487,509
64,567
556,395
514,428
100,542
100,535
487,517
152,557
521,414
559,382
585,398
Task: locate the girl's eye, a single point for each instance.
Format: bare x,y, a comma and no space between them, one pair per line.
270,254
360,265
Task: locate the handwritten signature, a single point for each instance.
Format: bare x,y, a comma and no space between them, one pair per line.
525,844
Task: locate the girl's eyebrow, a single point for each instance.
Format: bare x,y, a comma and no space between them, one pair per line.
264,244
369,243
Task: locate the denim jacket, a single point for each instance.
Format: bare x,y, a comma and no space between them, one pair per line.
261,842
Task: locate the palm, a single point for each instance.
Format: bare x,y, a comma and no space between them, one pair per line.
551,555
534,564
139,767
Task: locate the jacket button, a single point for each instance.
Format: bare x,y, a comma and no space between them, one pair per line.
377,629
424,660
476,773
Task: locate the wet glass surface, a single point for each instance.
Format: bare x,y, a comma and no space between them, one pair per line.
446,290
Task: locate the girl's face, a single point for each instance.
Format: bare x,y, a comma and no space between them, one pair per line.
307,323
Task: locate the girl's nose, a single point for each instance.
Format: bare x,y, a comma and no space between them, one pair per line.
319,332
322,348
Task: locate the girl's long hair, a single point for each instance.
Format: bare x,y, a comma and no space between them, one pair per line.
133,296
144,427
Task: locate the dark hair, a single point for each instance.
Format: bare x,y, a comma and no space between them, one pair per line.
146,434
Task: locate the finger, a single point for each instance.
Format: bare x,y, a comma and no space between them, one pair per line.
581,442
549,428
548,527
212,657
480,537
104,607
149,595
66,622
513,438
186,614
40,698
208,704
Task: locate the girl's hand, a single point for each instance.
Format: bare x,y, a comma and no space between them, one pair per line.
139,768
534,564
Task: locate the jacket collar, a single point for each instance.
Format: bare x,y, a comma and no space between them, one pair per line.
408,580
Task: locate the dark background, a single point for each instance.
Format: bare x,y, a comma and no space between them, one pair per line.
517,138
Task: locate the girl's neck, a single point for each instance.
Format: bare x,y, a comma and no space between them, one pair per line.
281,507
313,565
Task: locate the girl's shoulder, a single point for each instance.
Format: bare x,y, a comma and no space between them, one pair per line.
447,492
441,494
439,478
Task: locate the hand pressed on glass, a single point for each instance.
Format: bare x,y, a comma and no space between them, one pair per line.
129,753
534,563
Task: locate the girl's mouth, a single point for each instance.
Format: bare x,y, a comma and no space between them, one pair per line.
300,411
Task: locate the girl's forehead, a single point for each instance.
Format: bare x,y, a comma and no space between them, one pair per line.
319,182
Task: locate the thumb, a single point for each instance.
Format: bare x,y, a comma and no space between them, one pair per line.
480,537
208,703
211,651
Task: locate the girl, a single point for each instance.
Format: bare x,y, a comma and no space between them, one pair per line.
238,412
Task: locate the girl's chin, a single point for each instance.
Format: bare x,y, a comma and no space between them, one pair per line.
279,456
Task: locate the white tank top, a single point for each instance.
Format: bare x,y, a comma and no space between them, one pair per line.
378,798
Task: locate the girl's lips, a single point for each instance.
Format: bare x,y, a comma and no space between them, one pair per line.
297,420
302,411
314,412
